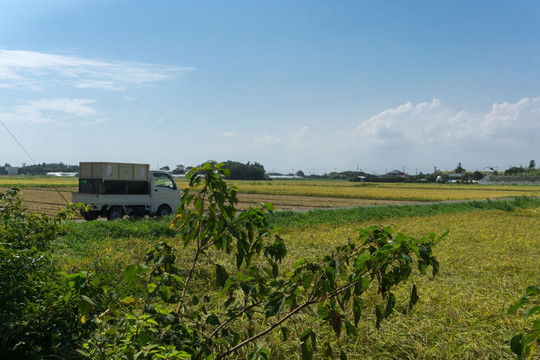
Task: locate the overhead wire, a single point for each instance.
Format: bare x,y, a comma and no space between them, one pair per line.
31,159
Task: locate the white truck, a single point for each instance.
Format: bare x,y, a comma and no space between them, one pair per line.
113,190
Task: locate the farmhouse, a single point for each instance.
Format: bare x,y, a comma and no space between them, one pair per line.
396,174
8,170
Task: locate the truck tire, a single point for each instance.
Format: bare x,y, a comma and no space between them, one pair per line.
164,210
115,213
89,216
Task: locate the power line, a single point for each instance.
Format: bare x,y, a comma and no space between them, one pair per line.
17,141
33,161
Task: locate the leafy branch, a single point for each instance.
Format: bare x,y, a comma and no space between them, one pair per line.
256,289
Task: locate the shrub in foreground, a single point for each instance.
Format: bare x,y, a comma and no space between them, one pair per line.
35,321
163,308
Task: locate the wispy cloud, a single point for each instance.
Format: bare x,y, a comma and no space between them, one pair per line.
29,69
53,111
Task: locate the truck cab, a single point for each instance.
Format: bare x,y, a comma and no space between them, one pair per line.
165,193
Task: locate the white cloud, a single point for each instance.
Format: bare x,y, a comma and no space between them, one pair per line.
406,121
29,69
53,111
229,134
297,135
266,139
412,135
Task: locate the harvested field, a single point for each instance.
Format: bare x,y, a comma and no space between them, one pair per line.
50,200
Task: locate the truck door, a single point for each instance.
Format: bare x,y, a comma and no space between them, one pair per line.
164,191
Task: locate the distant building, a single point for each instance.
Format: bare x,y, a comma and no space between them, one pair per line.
12,170
396,173
63,174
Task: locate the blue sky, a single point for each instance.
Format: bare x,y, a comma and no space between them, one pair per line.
317,86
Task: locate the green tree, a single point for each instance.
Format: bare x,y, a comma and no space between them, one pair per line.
239,171
532,165
459,169
514,170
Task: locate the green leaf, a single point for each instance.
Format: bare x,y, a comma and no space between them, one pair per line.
306,280
221,275
351,329
166,293
379,316
306,334
390,303
360,262
128,300
151,288
342,355
516,345
130,274
414,297
307,352
85,305
212,320
285,333
533,310
322,311
358,305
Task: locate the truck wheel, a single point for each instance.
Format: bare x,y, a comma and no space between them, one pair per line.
164,210
139,211
89,216
115,213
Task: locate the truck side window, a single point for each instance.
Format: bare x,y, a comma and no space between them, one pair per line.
164,180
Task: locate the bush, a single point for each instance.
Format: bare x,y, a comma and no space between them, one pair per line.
35,320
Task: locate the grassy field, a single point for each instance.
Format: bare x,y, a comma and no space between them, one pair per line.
491,255
489,258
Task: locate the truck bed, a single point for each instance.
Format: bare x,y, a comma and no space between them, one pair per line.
112,199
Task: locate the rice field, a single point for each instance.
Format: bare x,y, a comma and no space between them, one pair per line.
386,191
49,194
487,261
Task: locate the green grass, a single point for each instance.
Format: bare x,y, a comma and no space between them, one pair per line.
489,258
78,236
284,219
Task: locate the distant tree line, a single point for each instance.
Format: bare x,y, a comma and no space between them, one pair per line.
255,171
44,168
238,170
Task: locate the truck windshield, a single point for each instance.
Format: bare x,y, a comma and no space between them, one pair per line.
164,180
